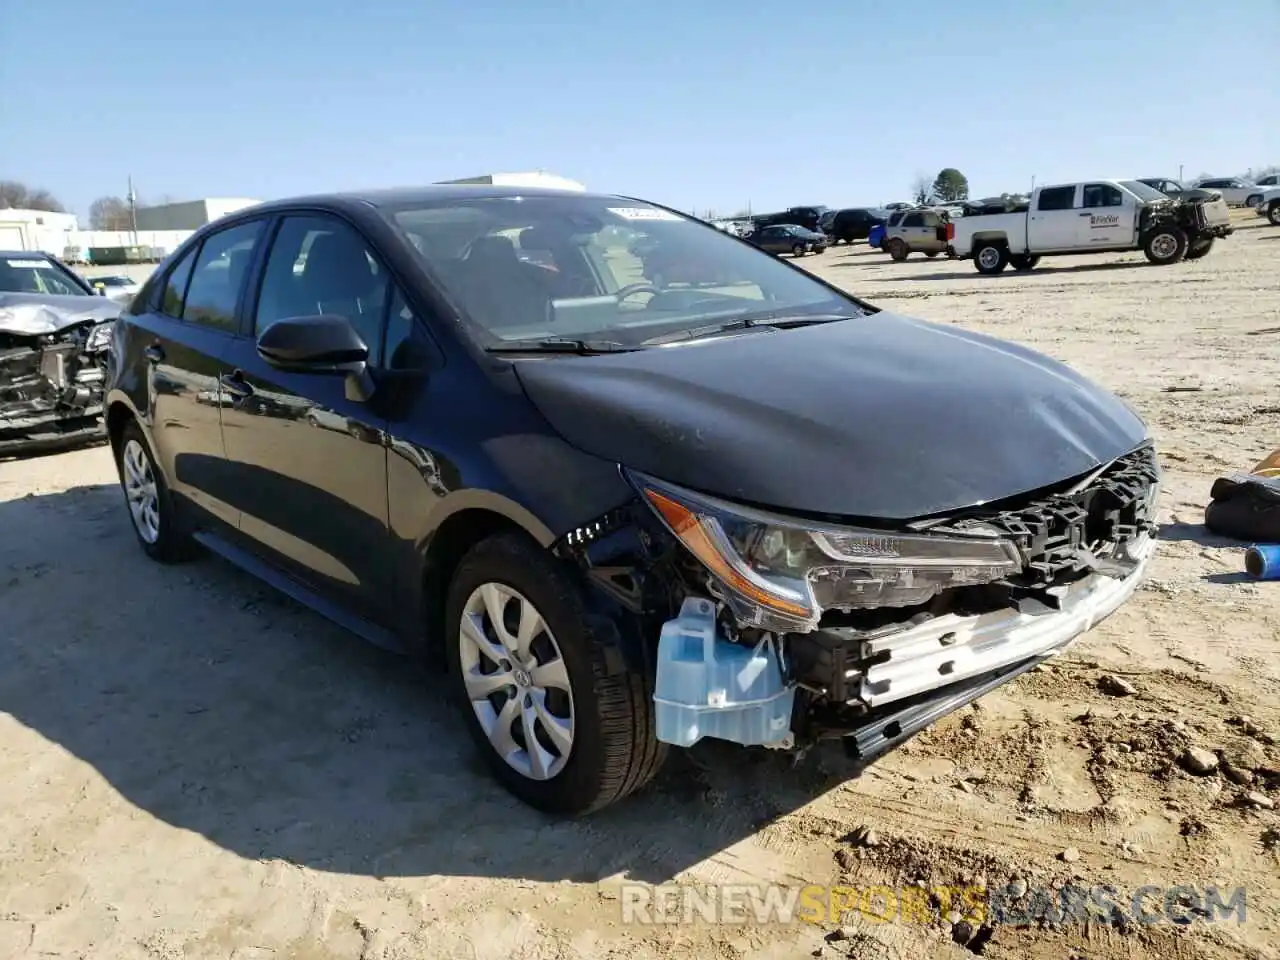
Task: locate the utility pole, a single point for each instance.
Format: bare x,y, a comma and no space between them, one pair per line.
1179,173
133,211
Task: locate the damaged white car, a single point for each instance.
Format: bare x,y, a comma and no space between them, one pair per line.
55,333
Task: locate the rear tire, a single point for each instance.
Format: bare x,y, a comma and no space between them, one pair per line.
1273,213
931,253
990,258
898,249
612,748
798,250
1253,200
1199,249
1166,245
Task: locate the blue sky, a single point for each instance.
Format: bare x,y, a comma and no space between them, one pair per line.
699,104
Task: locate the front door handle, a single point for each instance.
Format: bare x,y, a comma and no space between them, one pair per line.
234,383
1086,214
154,353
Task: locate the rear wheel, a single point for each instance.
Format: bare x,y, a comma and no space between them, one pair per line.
990,258
1273,212
1023,263
931,253
798,250
1253,200
1198,249
1166,245
898,249
561,728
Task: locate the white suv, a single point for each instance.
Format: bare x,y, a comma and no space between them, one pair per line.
1234,190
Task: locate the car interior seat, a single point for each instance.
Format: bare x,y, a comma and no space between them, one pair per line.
503,291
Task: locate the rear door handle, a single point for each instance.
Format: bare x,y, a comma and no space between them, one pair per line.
234,383
154,353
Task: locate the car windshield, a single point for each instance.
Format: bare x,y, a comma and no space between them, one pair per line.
37,275
1142,190
601,268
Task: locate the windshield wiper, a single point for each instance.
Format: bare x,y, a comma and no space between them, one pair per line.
774,321
559,345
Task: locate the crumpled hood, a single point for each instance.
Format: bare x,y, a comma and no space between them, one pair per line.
880,417
37,314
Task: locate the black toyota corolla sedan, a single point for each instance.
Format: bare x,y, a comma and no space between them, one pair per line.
622,511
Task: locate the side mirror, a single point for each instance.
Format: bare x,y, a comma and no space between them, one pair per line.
323,344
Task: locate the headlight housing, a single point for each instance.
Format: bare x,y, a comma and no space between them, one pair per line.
99,337
779,573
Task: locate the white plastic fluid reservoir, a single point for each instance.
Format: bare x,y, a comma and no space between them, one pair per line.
711,687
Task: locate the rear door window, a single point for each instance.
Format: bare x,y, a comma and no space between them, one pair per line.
1056,198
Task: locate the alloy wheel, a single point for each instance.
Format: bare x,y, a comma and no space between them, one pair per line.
141,491
516,681
1164,246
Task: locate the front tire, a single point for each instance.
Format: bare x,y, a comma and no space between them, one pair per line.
1166,245
150,503
1253,200
528,669
1199,249
898,249
798,250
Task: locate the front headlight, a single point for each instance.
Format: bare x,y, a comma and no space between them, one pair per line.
780,573
99,337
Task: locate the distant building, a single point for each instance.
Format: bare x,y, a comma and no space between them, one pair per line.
191,214
531,179
34,229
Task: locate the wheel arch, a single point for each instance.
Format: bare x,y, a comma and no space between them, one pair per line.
465,519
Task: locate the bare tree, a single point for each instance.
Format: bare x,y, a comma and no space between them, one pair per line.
921,188
110,213
19,196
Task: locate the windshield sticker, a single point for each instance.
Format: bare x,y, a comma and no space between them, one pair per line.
29,264
642,213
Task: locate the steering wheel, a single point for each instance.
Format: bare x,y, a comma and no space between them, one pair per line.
631,289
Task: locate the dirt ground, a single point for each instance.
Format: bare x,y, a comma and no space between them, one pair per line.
193,767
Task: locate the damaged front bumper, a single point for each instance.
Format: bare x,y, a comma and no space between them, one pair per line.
872,676
51,388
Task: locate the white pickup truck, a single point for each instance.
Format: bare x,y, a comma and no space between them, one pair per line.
1095,216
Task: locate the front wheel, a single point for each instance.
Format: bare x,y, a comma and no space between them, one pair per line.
560,725
798,250
1199,249
1166,245
155,522
898,249
1253,201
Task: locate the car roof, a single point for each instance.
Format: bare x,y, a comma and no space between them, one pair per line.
432,193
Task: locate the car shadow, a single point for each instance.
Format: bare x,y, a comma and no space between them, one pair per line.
1039,270
1194,533
218,706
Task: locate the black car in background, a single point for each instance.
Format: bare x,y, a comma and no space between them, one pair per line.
467,423
854,223
789,238
808,217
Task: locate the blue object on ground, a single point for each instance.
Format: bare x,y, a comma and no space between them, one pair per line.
876,237
1262,560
